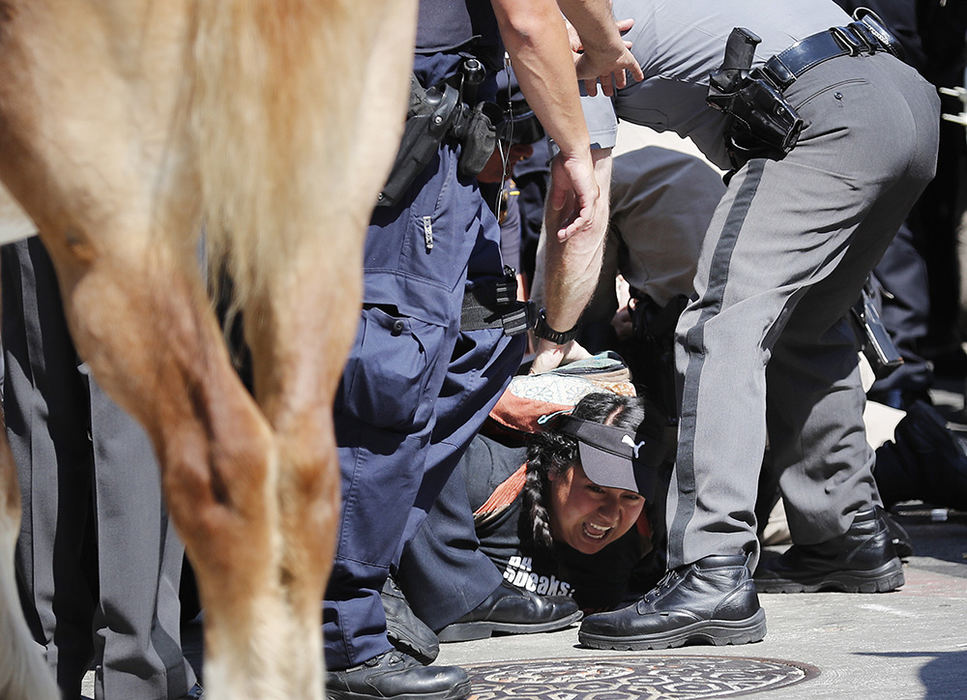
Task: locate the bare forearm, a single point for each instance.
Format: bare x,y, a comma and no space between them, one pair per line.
571,267
536,40
594,22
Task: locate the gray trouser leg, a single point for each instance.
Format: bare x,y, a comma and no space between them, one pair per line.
97,562
137,624
786,253
45,405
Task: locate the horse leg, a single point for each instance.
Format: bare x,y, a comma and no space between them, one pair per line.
114,191
153,343
307,319
111,185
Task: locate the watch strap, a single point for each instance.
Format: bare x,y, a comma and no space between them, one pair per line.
543,330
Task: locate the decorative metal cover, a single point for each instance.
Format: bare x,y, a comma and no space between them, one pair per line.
637,677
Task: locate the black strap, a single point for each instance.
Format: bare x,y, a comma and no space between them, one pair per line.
864,36
494,304
785,67
514,319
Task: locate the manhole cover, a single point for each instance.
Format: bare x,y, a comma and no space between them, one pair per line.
633,677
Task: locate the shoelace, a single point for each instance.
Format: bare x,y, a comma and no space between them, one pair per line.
394,658
664,584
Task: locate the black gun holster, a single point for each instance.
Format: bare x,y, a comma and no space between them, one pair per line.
437,114
762,124
651,356
876,342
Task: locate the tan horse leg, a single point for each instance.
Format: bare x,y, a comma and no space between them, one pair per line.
97,160
300,322
308,319
152,341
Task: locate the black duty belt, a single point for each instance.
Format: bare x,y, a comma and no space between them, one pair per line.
494,304
867,35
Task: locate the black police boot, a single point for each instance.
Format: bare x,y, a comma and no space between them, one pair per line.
711,601
405,630
861,560
512,610
397,675
900,538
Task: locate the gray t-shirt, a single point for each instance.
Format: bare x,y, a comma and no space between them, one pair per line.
678,43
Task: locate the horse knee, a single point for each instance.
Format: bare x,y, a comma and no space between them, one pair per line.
219,487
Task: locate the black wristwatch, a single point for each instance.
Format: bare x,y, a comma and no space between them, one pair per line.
543,330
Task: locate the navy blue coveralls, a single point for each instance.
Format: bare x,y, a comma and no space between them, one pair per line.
415,389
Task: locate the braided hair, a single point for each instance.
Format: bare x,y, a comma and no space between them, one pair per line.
550,452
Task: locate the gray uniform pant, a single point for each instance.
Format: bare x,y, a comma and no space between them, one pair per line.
766,352
98,563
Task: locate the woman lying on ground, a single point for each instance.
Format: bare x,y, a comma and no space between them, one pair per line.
578,524
518,529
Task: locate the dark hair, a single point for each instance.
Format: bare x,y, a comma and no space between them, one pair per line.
551,452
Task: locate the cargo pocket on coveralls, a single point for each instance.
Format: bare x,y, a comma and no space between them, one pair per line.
387,372
438,239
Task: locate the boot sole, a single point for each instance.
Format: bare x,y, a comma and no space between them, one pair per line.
482,629
457,692
715,632
884,579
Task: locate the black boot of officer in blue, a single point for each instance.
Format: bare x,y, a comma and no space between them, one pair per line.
396,674
510,610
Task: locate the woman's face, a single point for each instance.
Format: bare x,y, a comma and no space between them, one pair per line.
589,517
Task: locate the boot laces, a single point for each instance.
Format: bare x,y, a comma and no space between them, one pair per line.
663,585
393,658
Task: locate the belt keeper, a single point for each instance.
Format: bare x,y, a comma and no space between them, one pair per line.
505,292
777,73
867,35
847,40
518,321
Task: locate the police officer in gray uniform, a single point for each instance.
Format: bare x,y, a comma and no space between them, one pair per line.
98,562
765,350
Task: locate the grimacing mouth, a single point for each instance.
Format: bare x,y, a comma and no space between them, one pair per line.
594,531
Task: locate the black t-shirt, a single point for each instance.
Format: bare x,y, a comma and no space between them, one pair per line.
448,26
595,581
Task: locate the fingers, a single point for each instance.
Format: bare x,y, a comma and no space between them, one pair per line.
615,77
634,68
581,222
548,357
557,198
574,351
606,86
622,323
573,37
575,195
631,66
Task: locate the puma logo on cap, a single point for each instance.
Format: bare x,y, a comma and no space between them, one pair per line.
627,440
